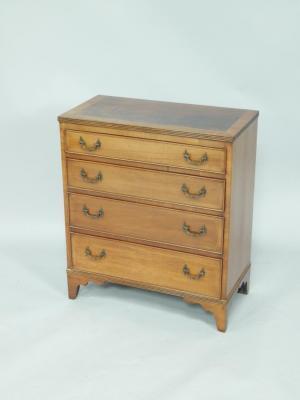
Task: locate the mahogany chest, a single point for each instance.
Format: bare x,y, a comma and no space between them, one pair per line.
159,196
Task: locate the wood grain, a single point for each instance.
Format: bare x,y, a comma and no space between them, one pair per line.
159,186
162,225
147,264
241,204
113,130
66,199
218,307
227,215
201,122
147,151
132,207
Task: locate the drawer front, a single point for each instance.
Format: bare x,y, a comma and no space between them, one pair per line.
157,224
145,264
143,184
194,158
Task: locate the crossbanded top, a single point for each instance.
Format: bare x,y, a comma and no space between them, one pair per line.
188,120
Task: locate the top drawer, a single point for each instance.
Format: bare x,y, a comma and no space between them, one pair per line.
194,158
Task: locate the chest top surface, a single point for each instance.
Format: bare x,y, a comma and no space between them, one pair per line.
191,120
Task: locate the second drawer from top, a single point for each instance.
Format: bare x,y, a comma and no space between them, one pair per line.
169,188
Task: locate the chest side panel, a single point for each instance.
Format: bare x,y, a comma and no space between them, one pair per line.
241,206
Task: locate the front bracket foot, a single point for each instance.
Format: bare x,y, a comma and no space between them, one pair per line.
218,310
75,279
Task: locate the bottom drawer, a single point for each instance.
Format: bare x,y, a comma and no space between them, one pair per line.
147,265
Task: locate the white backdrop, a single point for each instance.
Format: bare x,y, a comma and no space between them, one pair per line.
123,343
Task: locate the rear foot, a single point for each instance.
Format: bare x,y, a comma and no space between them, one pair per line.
244,288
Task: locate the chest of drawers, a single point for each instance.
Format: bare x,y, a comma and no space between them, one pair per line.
159,196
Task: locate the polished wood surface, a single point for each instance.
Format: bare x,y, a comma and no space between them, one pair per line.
159,186
140,133
241,205
147,264
215,123
159,196
194,158
66,199
155,224
218,308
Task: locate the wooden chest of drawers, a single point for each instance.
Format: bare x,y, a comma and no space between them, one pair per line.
159,196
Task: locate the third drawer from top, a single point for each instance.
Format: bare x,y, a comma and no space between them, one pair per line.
164,226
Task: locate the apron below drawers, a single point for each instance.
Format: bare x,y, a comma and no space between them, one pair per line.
148,265
158,225
165,187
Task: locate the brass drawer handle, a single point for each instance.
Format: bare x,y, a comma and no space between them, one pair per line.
97,257
86,178
186,271
201,160
187,230
87,213
185,190
84,146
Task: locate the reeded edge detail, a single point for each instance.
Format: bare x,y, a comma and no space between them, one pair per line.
218,136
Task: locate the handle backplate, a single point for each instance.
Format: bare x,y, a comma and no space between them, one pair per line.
187,230
86,178
186,271
186,191
84,146
201,160
95,257
87,213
